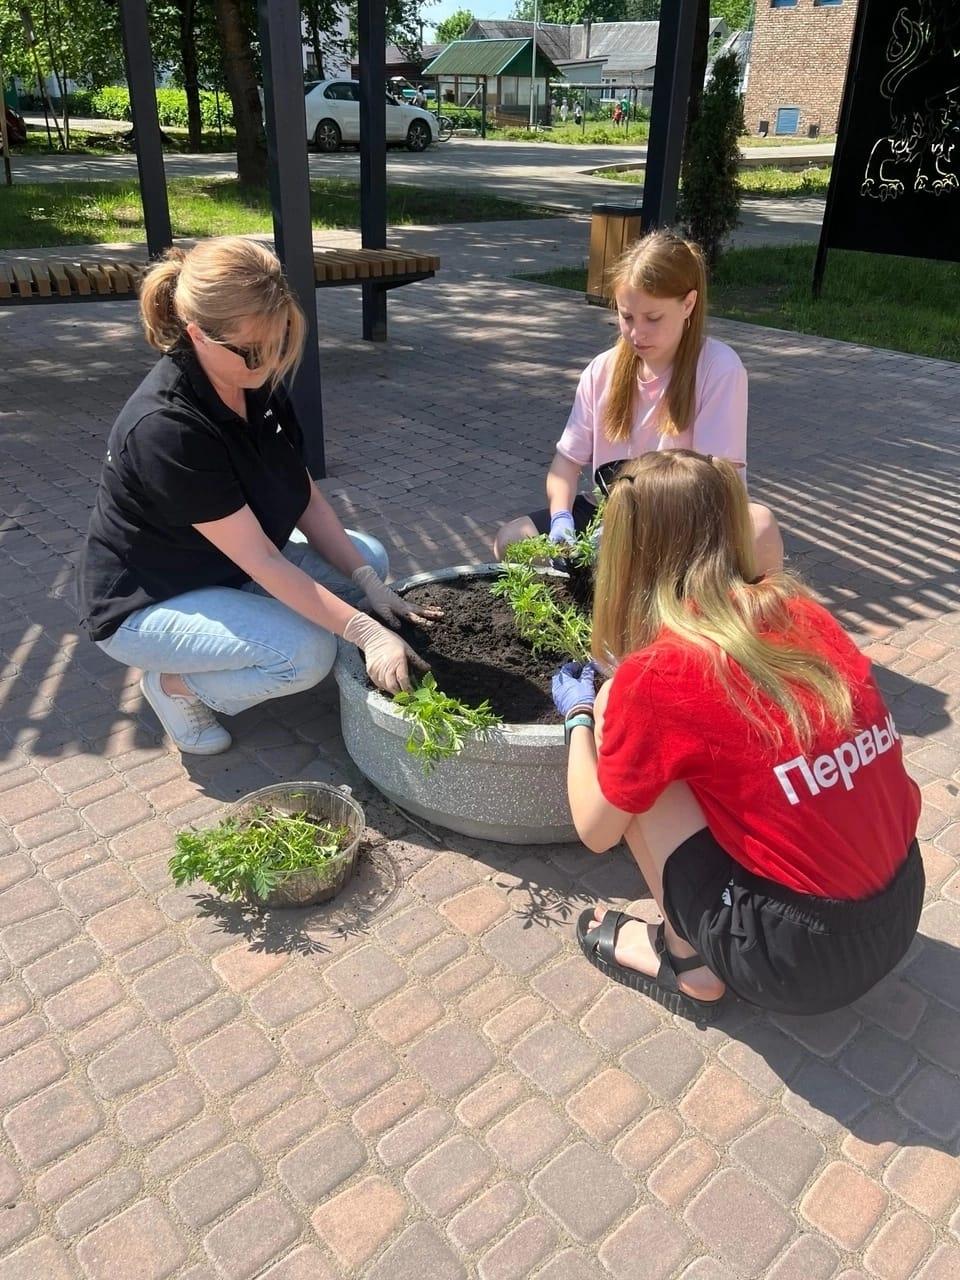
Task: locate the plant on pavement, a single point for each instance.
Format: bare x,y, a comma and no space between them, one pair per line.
440,723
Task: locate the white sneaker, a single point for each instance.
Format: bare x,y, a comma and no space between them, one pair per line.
189,722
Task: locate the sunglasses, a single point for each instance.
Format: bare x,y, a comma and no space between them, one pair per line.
250,356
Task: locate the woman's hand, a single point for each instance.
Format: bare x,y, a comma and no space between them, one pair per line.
387,657
562,529
573,688
393,609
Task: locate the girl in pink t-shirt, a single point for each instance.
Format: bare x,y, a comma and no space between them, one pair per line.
665,385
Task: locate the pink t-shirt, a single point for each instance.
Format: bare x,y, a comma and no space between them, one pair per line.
719,424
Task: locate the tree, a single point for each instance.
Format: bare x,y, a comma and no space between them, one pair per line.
570,11
710,197
737,14
455,27
236,40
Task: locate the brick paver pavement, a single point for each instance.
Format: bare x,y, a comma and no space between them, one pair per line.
430,1081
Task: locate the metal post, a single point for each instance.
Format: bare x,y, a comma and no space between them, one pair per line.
668,112
843,128
371,30
289,173
533,57
146,125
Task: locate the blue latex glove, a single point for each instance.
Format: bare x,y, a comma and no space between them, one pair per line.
573,687
562,529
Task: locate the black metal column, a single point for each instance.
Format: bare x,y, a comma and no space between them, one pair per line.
289,169
668,112
371,30
146,124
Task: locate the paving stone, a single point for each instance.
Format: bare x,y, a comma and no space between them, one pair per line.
264,1096
251,1237
526,1137
26,801
402,1144
938,1037
44,1257
215,1185
34,938
131,1063
555,1058
739,1222
443,877
665,1063
16,1222
52,1123
519,1252
202,1021
927,1179
943,1265
445,1178
59,969
319,1037
232,1058
571,1264
420,1251
411,1012
781,1153
878,1060
845,1205
451,1058
142,1242
284,1129
93,891
899,1246
387,1106
706,1269
314,1168
559,1188
454,980
674,1181
30,1071
306,1263
411,930
296,991
157,1112
497,992
356,1073
875,1138
506,1027
27,899
77,1171
172,988
808,1258
474,911
491,1099
439,956
822,1099
486,1216
643,1145
101,1199
649,1246
243,968
83,1001
895,1005
364,977
520,945
185,1145
355,1224
932,1100
608,1104
117,813
570,986
721,1105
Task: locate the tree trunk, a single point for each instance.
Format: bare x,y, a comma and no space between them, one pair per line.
242,87
698,69
191,79
313,24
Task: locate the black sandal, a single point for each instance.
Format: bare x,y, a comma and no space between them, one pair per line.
599,945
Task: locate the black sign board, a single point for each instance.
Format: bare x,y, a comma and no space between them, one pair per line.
895,186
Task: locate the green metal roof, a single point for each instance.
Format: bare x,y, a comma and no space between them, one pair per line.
489,58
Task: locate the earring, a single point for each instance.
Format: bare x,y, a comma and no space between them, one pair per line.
686,322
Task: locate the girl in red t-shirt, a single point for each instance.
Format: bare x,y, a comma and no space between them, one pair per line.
743,751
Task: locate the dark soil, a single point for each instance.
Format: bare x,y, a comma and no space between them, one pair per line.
475,653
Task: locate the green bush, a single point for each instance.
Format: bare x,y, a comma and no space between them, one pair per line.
709,203
113,103
462,117
80,102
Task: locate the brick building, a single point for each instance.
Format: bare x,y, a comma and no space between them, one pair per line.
798,63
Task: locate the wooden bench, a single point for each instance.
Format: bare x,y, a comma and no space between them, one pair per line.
26,282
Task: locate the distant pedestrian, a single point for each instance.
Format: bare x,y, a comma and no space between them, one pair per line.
625,107
577,113
564,110
617,114
419,98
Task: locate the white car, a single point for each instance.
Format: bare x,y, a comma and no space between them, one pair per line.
333,117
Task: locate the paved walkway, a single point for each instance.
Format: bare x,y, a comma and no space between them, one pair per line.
430,1081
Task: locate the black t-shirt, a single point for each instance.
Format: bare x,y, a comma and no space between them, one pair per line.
176,457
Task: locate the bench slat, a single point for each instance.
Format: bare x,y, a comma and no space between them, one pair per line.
41,278
59,277
6,281
75,274
97,277
23,279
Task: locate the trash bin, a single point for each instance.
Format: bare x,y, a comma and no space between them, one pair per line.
613,227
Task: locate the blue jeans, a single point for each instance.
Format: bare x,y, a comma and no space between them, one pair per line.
236,647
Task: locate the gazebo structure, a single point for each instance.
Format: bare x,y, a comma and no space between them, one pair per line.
289,173
468,68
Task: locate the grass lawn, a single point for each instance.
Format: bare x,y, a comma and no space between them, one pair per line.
766,181
597,133
34,216
785,140
86,142
902,304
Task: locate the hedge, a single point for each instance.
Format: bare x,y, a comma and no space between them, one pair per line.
462,117
113,103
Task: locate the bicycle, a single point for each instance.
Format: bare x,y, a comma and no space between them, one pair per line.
447,128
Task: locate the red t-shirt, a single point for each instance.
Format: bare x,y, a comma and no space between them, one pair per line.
834,821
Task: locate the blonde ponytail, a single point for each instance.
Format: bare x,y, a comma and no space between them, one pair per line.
158,310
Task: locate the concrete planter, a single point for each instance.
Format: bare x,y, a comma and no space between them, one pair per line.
509,785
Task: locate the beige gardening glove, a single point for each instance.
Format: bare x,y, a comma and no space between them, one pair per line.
393,609
387,657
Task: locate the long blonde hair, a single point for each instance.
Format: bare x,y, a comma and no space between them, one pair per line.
665,266
217,285
677,555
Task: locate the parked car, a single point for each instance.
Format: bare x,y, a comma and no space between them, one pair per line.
333,117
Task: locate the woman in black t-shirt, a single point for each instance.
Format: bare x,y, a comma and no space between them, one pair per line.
189,571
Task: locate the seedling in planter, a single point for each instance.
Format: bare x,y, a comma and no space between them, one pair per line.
440,723
249,858
545,625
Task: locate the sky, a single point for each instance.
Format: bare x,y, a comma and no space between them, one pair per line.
434,13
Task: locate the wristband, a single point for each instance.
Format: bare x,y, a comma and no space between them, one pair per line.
574,722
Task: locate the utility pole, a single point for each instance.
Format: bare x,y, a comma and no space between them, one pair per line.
533,59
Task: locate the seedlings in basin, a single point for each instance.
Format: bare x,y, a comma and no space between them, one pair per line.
440,723
249,858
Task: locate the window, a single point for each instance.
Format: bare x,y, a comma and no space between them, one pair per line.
783,4
788,120
826,4
343,92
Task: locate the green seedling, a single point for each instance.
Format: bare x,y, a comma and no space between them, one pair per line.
440,723
248,858
545,625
